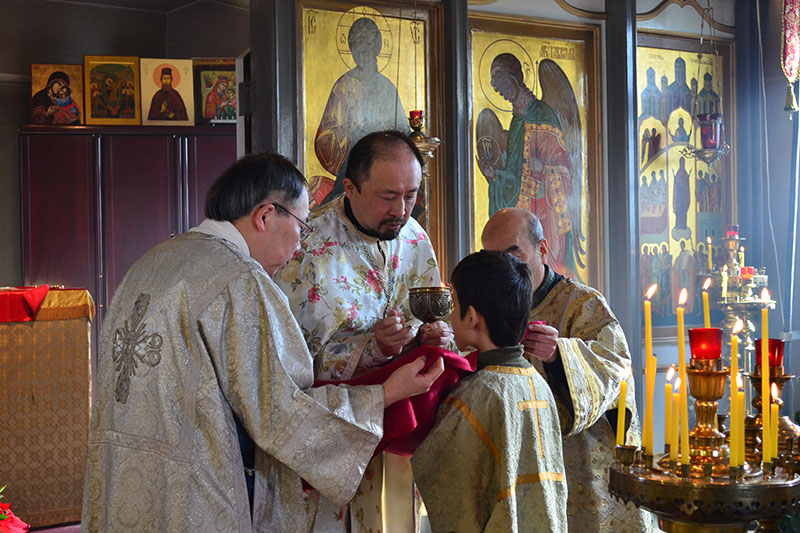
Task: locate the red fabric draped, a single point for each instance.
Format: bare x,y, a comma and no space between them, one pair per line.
21,304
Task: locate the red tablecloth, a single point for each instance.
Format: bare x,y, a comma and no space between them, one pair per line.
21,304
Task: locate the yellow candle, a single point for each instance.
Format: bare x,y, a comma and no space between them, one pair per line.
734,399
706,319
710,253
741,256
773,426
667,413
623,392
724,282
676,406
765,414
740,410
650,372
773,421
684,383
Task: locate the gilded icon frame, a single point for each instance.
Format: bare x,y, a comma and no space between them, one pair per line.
122,90
414,78
574,48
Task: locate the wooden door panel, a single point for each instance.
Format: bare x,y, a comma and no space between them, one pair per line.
208,157
141,199
59,213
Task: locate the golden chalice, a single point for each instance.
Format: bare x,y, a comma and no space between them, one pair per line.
430,304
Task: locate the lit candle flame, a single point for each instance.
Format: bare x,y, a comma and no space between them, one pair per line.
764,295
774,392
741,248
670,373
651,291
678,383
739,382
444,284
684,295
725,268
738,326
626,373
706,284
708,240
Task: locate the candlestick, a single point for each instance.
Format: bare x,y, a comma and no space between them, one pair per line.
676,416
724,294
649,374
623,392
766,449
734,414
710,253
740,410
684,410
651,385
773,422
667,412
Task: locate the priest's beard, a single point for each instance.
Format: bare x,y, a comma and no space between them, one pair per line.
392,234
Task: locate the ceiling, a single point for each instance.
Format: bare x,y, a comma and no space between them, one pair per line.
160,5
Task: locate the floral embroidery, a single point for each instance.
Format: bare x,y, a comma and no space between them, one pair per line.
313,294
395,261
373,281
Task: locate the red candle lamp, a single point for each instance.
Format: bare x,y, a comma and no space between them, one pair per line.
733,231
746,272
705,343
775,352
710,130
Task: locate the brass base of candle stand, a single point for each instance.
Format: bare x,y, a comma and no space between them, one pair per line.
710,505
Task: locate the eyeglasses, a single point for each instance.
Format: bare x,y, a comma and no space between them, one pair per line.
305,229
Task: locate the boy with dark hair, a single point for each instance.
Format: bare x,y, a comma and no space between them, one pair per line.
493,461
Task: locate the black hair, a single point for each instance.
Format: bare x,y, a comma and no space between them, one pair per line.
375,145
499,287
249,182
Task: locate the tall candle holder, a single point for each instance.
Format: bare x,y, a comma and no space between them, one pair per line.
708,495
787,430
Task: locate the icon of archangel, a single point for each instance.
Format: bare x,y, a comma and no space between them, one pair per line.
537,163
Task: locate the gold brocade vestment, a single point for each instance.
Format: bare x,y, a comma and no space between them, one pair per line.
196,336
592,354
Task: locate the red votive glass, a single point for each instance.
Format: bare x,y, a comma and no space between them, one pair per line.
733,231
775,352
705,343
746,272
710,125
416,113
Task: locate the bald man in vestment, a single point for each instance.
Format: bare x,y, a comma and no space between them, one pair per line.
582,353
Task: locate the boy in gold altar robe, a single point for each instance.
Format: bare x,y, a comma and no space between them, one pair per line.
493,461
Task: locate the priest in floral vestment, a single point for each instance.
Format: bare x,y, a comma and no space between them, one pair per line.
582,353
348,288
199,342
493,461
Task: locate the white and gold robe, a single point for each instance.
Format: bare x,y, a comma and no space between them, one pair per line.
197,336
493,461
592,354
340,284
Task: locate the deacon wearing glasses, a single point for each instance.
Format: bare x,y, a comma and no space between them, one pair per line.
204,417
348,288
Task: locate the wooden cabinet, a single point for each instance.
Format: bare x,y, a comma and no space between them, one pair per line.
94,199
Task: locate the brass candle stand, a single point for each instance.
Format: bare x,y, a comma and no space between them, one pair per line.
707,495
787,430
